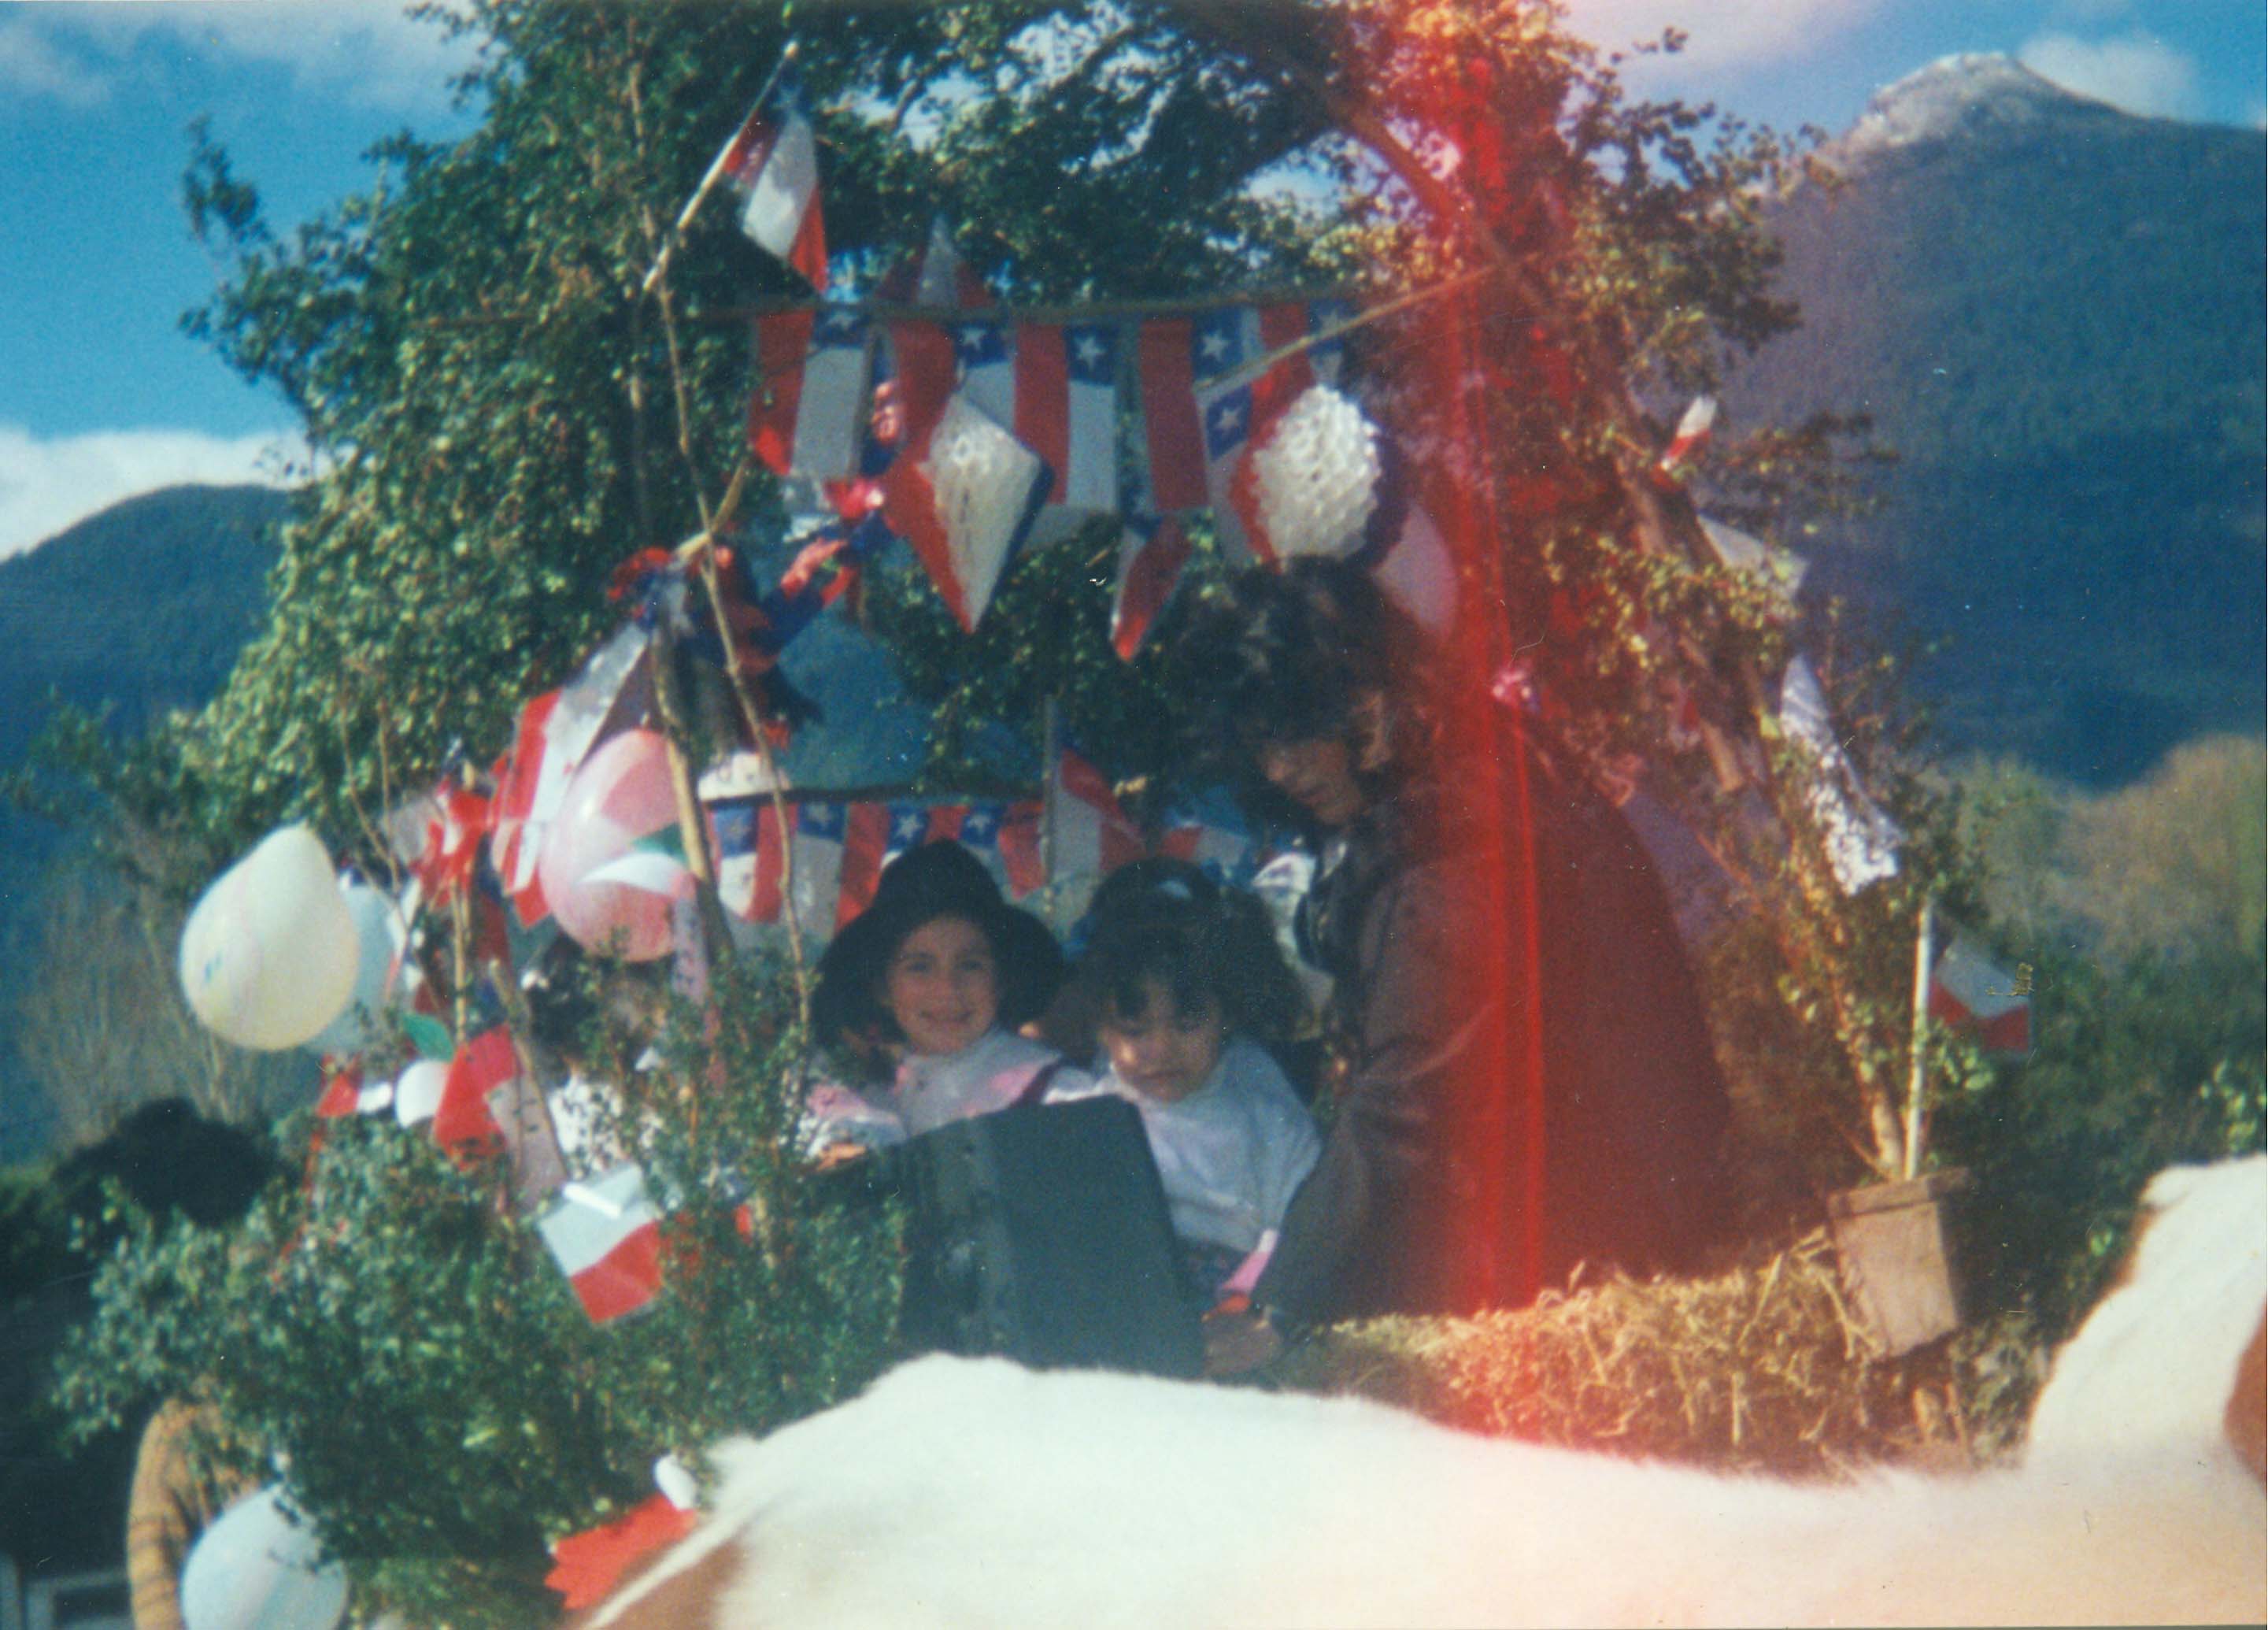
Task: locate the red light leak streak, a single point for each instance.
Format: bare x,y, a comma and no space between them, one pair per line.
1484,744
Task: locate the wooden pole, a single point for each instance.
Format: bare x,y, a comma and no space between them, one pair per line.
1917,1078
692,823
1050,756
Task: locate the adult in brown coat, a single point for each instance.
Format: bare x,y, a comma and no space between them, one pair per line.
1529,1083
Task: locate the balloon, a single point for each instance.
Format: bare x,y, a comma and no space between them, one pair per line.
268,954
417,1092
257,1569
619,794
380,935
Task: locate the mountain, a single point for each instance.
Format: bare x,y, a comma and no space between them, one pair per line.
142,607
2053,313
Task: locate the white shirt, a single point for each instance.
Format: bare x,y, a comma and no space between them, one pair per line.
1230,1154
933,1090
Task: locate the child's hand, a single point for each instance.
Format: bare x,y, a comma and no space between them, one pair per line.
838,1155
1236,1342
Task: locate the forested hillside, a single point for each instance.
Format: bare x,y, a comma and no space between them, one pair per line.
141,608
2052,311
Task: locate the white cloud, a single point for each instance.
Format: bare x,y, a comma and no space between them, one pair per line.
2094,11
1730,33
2136,71
367,52
47,484
32,65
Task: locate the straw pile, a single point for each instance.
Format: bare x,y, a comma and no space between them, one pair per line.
1765,1367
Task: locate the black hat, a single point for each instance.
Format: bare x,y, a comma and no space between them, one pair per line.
936,880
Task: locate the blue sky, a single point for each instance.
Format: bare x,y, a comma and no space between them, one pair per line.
101,396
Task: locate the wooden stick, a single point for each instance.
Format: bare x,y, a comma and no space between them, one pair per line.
692,825
901,310
1259,366
1917,1080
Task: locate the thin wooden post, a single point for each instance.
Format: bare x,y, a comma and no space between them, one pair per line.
692,823
1051,755
1917,1077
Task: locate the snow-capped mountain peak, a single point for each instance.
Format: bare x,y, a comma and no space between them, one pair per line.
1964,94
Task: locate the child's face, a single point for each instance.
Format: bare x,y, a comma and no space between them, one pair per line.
942,986
1163,1051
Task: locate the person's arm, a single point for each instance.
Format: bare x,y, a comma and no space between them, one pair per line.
173,1501
1415,1027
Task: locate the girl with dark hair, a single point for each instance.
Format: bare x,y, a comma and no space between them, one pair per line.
1529,1084
1187,985
917,1000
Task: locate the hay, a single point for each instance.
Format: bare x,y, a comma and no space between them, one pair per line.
1765,1367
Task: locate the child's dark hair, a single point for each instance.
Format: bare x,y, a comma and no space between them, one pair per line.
1166,921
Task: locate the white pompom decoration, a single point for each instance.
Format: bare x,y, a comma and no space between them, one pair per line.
983,477
1316,477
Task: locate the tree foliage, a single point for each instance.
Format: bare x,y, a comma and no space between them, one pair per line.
100,1024
2142,911
390,1326
501,412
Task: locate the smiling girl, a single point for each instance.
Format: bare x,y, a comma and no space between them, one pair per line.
917,1000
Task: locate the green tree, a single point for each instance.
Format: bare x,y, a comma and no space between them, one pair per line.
101,1025
2140,909
502,410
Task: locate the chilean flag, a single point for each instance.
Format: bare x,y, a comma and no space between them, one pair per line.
909,827
1691,435
1087,455
773,161
743,836
530,783
865,841
810,413
1222,852
1173,437
816,847
1968,992
1327,357
1152,552
464,1119
1241,413
1004,836
1089,835
936,277
1862,841
605,1236
1055,390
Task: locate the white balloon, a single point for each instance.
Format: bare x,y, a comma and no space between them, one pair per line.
269,954
380,934
257,1569
417,1091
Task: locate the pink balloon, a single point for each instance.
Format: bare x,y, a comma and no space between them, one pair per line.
617,795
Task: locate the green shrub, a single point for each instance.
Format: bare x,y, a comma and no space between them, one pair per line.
396,1331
